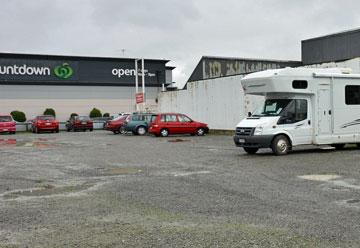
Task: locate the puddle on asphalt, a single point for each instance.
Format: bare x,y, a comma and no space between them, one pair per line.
38,143
47,190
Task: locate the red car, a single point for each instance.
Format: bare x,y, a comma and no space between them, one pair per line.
116,125
45,123
7,124
173,123
79,123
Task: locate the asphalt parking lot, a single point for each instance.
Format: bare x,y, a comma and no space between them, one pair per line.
103,190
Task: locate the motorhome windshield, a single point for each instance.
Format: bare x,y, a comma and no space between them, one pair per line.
272,107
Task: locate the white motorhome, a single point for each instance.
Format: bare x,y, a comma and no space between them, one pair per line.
303,106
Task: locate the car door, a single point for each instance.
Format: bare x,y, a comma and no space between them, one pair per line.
186,124
297,122
172,123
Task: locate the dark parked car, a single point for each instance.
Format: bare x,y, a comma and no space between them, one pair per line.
45,123
138,124
76,123
174,123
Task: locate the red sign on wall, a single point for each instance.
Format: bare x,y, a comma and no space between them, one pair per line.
139,97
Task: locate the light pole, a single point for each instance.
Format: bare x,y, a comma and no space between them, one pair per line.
140,98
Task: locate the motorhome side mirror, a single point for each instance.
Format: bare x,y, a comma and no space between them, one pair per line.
249,114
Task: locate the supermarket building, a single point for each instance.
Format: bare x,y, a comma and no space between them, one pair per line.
73,84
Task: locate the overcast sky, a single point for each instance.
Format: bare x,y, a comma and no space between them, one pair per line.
179,30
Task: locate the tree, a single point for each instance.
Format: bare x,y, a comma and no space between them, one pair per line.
94,113
18,116
50,111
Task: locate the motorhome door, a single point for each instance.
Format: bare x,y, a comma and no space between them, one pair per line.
324,111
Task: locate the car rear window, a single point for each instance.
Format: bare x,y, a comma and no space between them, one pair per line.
5,119
84,118
45,118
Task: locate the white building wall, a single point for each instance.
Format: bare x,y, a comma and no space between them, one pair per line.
221,102
218,102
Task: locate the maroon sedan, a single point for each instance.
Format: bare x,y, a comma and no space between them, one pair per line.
45,123
7,124
83,123
116,125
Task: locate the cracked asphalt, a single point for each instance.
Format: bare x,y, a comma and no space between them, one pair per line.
103,190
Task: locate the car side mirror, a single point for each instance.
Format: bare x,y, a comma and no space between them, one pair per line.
249,114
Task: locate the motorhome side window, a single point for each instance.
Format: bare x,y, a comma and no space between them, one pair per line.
294,112
300,84
352,95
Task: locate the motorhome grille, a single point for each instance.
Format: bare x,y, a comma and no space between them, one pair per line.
245,131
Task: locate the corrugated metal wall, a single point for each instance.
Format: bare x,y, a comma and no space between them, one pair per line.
335,47
219,102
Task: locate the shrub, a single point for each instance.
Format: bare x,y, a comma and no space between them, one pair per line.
50,111
106,115
95,113
18,116
73,114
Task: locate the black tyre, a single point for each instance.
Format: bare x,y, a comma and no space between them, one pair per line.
141,130
251,150
200,132
280,145
57,130
338,146
164,132
90,129
122,130
358,145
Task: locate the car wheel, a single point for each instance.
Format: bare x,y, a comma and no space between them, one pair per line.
164,132
358,145
141,130
338,146
91,129
122,130
12,132
251,150
280,145
200,132
116,131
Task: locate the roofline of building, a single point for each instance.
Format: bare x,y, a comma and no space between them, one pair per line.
249,59
341,33
61,57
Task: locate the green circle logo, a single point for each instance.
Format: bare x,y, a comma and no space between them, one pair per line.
63,71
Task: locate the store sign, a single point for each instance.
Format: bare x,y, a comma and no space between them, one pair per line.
63,71
130,72
86,71
139,97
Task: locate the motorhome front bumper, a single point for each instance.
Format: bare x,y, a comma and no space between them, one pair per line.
255,141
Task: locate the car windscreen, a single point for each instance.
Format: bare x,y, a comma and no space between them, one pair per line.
45,118
83,118
5,119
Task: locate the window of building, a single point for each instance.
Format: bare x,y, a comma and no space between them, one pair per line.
352,94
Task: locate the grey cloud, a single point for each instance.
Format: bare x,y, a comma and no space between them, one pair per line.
181,31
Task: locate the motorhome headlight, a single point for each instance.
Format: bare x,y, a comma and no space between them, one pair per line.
258,130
